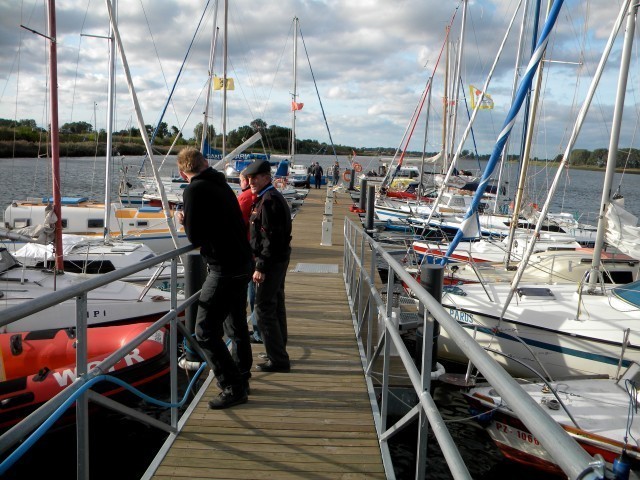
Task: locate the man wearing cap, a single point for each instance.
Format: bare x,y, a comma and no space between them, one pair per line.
270,233
213,222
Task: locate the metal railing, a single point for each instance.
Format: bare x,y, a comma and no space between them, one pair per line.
370,310
28,430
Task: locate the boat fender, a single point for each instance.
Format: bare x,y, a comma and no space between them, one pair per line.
41,375
622,466
16,344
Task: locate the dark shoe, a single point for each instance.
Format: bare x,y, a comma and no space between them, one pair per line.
253,339
229,397
247,387
269,366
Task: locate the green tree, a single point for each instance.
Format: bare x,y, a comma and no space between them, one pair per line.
76,127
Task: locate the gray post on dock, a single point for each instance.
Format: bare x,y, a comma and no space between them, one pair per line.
363,194
352,179
194,275
371,200
432,279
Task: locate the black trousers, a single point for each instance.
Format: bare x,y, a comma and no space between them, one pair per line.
271,313
222,308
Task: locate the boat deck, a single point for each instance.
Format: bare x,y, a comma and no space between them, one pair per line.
314,422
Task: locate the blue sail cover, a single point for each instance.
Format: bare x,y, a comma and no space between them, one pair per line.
470,221
630,293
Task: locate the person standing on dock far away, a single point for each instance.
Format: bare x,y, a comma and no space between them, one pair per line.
270,231
246,198
213,221
317,174
336,173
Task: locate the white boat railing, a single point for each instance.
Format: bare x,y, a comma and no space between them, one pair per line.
28,430
373,312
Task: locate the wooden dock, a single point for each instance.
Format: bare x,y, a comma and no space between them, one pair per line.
314,422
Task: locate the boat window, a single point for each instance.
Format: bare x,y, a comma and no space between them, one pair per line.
534,292
143,223
619,277
64,222
95,223
21,222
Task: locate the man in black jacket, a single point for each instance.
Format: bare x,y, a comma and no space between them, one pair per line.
213,222
270,232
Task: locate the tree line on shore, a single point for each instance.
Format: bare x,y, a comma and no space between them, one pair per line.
24,139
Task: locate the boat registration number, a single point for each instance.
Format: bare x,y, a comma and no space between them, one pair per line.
516,433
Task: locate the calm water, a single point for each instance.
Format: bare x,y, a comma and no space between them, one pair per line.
579,192
117,441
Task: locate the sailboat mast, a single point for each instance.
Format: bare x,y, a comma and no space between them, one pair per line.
212,59
295,89
224,79
109,147
54,131
613,142
445,105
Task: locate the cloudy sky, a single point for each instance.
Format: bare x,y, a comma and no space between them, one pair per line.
371,60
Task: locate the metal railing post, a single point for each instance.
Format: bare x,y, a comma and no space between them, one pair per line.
82,404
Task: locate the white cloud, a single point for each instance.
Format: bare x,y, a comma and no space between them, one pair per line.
370,58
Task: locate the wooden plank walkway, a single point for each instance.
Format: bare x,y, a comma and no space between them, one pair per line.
312,423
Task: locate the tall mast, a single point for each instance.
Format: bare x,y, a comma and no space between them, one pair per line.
212,58
53,126
109,148
224,79
294,95
613,143
445,105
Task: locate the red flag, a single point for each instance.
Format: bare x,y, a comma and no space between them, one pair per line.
296,106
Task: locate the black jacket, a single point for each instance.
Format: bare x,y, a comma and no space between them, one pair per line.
213,222
270,229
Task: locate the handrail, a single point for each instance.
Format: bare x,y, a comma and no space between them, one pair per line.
364,300
39,419
12,314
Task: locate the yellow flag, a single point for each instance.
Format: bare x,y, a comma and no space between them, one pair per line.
485,104
217,83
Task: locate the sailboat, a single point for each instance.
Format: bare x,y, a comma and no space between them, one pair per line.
597,413
86,252
556,329
38,351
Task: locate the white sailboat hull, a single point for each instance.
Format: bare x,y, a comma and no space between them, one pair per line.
566,340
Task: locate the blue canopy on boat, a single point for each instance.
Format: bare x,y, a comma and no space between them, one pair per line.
630,293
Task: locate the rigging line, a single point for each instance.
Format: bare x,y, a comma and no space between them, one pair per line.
244,47
333,147
175,83
471,215
473,136
284,48
239,84
390,172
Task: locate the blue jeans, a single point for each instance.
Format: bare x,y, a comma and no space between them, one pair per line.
222,308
